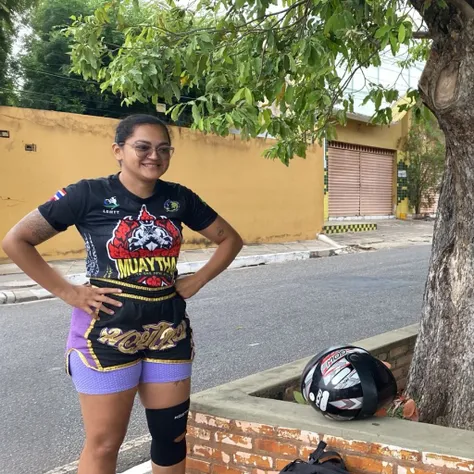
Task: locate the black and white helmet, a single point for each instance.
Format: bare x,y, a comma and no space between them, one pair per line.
347,383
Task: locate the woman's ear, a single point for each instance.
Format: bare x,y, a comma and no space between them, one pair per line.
118,153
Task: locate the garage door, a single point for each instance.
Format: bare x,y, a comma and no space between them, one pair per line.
360,180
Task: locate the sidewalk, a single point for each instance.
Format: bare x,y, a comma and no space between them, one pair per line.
16,287
389,234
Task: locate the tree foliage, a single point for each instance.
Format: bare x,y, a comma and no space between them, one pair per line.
45,66
265,67
425,148
9,10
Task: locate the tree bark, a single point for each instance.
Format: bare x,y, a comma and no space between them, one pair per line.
441,377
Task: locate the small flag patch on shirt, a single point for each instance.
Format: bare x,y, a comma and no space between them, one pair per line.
61,193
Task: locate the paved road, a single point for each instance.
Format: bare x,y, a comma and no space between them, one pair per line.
246,321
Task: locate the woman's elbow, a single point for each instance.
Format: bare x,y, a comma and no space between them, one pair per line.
8,243
238,241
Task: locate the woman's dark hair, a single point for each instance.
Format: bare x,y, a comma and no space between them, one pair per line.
127,126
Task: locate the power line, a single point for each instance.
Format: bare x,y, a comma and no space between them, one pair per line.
51,102
61,76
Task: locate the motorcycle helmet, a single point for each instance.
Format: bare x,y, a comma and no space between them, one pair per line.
347,383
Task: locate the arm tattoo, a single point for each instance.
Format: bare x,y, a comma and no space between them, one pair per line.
220,232
35,228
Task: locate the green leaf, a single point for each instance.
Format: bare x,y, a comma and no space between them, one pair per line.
176,90
394,44
196,114
378,99
248,96
331,24
313,56
176,112
381,32
401,33
267,115
290,95
237,96
202,64
299,398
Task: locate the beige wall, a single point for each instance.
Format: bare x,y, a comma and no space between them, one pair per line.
264,200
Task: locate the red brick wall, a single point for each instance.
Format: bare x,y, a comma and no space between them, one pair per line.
399,355
221,446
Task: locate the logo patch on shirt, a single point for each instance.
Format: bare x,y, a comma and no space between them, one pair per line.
60,194
145,248
171,206
111,203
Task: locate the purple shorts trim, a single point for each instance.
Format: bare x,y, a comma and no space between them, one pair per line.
93,382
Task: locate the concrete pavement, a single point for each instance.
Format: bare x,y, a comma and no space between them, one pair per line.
389,234
245,321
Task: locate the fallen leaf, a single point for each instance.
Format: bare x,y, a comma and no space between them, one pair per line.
416,415
409,409
381,413
299,398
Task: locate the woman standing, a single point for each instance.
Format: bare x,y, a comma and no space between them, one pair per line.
129,331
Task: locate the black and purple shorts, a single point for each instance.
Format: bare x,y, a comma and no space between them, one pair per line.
148,340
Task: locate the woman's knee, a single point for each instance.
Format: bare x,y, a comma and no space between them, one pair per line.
104,446
168,433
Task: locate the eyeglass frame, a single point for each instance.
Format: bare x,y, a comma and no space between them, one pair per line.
171,150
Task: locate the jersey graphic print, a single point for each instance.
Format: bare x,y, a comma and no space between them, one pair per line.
145,249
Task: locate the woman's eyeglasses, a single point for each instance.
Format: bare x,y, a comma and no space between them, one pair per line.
143,150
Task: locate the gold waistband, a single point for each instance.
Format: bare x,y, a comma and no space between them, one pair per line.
145,298
131,285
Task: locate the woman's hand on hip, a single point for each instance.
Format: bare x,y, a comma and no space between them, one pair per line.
188,286
90,299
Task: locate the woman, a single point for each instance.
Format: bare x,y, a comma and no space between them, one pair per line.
129,330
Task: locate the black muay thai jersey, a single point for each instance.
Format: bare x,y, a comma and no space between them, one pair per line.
126,237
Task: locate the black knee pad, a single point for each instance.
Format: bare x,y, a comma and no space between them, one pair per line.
166,425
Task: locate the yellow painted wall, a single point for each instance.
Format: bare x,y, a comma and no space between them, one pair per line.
360,133
264,200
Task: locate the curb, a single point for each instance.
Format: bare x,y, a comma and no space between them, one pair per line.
144,468
25,295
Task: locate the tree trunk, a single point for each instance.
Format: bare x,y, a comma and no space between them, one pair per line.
441,377
419,200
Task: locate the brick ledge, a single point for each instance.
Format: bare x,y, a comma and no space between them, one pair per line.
234,401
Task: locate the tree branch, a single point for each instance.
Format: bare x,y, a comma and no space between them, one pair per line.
435,14
258,20
463,7
423,34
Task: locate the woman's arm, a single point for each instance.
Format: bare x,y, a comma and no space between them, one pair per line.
19,244
229,245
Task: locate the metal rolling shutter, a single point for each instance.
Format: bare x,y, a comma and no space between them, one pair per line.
360,180
343,182
376,183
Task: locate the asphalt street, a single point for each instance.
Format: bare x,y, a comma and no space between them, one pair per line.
246,321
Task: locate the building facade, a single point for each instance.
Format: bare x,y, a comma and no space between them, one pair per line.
355,177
